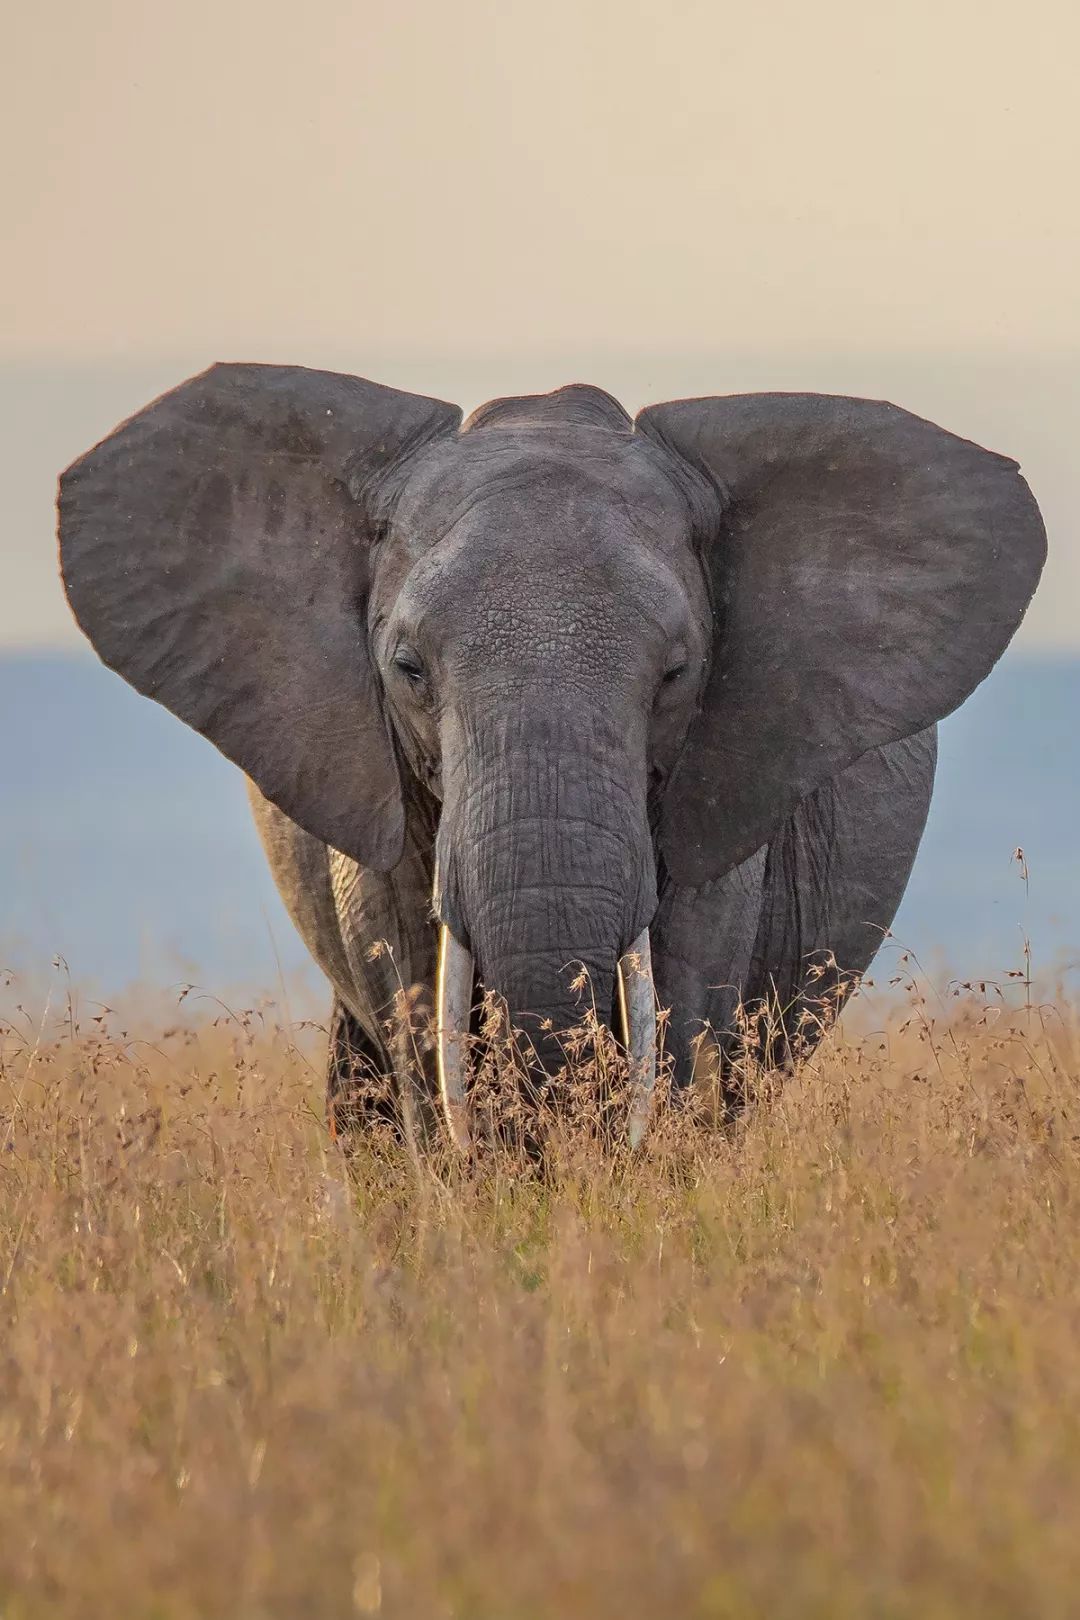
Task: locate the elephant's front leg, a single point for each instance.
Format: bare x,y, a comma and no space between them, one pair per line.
390,939
703,941
359,1092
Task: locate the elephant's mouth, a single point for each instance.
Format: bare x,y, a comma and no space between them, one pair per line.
454,985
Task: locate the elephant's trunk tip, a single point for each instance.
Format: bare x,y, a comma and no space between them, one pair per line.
453,1007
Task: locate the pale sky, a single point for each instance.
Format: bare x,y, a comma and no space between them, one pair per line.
467,197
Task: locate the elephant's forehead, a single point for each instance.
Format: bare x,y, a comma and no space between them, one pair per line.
540,484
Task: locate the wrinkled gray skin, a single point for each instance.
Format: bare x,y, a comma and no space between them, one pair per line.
575,676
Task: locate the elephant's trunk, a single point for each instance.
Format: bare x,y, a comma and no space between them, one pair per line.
547,878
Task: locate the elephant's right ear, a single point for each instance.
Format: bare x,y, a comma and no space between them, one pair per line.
213,554
868,570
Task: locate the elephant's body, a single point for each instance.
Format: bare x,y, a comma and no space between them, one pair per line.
553,688
792,925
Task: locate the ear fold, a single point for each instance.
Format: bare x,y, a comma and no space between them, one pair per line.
214,556
868,572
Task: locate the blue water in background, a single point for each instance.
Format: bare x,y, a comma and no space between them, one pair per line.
126,846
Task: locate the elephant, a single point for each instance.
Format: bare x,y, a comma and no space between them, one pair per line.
553,689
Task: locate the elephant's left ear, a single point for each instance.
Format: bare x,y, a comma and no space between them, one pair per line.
868,571
216,549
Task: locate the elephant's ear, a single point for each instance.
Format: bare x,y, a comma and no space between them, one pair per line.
213,554
868,571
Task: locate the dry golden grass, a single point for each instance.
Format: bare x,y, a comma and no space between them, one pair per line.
823,1365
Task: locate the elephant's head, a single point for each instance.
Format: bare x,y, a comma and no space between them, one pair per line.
608,648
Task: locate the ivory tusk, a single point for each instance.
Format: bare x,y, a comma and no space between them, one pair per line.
453,1006
637,1002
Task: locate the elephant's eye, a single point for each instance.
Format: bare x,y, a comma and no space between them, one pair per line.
409,664
673,672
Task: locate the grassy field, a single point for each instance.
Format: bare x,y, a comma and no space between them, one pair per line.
824,1364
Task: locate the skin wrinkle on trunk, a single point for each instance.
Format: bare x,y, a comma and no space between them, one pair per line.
526,829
